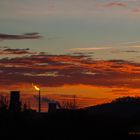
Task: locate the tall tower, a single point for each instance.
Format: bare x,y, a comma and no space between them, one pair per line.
52,107
15,104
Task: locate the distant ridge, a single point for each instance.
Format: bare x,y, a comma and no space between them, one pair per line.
123,107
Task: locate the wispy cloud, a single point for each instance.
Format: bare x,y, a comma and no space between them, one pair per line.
33,35
130,51
9,51
112,4
136,10
116,4
90,49
131,42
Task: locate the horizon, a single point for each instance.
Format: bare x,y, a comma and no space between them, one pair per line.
90,49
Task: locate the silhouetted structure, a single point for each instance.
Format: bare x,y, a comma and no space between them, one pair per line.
15,104
118,119
53,106
3,103
39,102
70,104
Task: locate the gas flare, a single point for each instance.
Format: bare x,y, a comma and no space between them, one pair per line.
36,87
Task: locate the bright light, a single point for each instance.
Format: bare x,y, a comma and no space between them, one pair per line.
36,88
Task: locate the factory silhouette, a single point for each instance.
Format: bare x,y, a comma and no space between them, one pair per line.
117,119
16,103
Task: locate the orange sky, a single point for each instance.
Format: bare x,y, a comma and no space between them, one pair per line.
62,76
86,95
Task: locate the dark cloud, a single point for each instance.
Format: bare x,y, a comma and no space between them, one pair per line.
124,51
31,34
7,51
59,70
130,51
20,37
4,47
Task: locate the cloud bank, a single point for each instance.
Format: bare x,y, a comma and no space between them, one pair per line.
59,70
20,37
9,51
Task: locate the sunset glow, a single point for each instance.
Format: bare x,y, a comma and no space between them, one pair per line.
90,49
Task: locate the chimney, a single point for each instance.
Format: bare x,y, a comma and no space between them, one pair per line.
15,104
52,107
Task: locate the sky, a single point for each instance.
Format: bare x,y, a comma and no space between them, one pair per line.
87,48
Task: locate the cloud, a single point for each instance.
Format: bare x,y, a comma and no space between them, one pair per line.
90,49
124,51
131,43
58,70
112,4
116,4
130,51
136,10
9,51
20,37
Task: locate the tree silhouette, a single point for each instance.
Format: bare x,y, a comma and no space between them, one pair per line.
3,103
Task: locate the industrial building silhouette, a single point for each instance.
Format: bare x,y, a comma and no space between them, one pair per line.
53,106
15,103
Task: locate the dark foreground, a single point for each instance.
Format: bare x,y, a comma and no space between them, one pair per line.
66,124
119,119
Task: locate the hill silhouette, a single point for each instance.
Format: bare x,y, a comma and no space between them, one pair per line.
120,107
115,120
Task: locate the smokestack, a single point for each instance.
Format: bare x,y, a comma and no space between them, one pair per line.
15,104
39,98
39,103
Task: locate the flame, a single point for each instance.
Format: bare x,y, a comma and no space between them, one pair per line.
36,88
